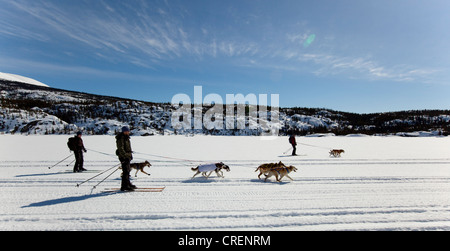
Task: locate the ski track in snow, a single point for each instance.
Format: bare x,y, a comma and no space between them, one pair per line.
356,192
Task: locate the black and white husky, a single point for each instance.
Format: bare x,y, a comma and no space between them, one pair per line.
214,167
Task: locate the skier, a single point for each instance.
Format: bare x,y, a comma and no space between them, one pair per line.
78,149
125,155
294,144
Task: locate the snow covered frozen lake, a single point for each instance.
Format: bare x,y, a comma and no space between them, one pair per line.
380,183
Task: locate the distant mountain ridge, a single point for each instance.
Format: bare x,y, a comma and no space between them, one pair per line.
21,79
34,109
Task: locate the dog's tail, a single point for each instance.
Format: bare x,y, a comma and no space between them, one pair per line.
257,169
194,169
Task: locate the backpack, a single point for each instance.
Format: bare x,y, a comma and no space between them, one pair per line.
71,143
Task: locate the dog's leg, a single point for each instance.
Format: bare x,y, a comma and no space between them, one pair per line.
137,170
209,174
142,170
195,174
289,177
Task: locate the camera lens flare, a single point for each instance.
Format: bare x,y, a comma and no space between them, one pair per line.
309,40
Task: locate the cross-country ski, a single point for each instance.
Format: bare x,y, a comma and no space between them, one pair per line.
138,189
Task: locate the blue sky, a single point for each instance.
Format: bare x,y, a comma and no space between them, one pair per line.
350,55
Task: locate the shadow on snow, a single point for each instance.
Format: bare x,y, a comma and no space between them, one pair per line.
68,200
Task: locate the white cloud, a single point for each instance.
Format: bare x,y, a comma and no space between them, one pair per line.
153,35
150,37
323,65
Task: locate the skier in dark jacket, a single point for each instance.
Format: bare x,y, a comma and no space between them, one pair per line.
78,151
294,144
125,155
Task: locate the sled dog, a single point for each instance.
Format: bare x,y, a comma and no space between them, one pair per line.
139,167
336,153
214,167
265,168
281,171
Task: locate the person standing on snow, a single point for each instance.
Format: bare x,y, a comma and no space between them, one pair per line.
125,155
78,151
294,144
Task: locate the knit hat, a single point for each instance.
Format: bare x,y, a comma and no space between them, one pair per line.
125,129
79,133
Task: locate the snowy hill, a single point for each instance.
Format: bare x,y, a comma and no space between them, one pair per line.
38,109
21,79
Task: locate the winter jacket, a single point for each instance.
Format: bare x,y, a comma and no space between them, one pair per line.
79,146
123,147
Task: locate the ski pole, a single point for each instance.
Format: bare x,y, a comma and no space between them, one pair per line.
50,167
78,185
71,162
105,178
287,150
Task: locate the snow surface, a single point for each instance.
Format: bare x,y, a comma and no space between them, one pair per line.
380,183
21,79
